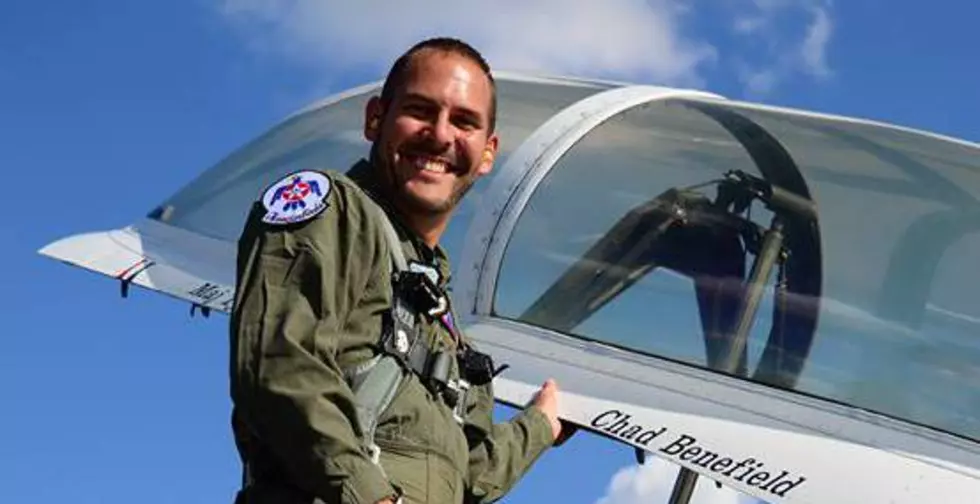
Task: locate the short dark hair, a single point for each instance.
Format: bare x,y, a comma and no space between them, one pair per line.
398,71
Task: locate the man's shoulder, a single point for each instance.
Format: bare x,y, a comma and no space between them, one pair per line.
302,201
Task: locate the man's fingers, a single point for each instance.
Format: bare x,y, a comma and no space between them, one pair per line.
546,393
549,386
546,399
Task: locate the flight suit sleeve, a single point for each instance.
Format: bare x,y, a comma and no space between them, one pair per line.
297,286
501,453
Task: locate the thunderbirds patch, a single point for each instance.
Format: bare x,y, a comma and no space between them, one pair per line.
296,198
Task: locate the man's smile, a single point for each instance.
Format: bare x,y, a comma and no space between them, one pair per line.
428,163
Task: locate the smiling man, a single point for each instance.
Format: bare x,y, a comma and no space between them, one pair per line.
438,137
350,380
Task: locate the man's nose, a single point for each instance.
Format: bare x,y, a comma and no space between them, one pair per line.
442,130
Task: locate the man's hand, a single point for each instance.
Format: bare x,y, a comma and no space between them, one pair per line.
546,399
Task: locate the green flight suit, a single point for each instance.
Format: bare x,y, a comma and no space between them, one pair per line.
309,305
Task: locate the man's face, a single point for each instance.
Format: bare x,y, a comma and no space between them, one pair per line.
433,141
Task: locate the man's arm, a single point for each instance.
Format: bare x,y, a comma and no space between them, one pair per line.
500,454
297,285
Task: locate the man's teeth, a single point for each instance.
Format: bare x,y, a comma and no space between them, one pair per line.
431,165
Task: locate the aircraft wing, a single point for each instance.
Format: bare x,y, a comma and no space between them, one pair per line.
780,301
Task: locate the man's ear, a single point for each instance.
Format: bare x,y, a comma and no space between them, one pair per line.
373,112
489,155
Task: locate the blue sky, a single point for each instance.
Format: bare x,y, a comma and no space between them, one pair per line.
107,107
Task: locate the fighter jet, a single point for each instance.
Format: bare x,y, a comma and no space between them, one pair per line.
781,301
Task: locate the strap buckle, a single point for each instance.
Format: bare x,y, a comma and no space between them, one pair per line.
375,452
455,394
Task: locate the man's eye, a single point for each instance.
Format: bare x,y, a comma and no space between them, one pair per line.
415,110
468,123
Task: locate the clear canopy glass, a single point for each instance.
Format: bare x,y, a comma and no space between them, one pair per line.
897,326
331,137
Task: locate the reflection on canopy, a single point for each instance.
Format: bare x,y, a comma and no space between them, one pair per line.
886,279
330,136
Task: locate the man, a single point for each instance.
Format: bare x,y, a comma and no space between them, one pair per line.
315,295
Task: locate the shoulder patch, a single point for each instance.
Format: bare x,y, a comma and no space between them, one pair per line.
297,197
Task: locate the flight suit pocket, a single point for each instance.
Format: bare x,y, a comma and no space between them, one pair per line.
408,470
444,481
403,421
424,477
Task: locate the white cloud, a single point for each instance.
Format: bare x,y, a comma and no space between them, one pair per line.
775,27
747,25
652,41
814,48
759,82
618,38
654,481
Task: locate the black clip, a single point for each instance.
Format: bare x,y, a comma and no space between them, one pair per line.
419,290
476,367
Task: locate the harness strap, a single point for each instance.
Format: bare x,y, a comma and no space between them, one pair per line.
376,381
397,254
